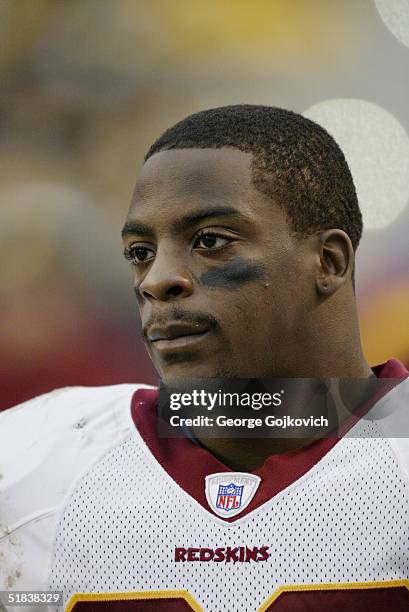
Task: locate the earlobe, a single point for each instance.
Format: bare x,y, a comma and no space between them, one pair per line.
336,261
323,288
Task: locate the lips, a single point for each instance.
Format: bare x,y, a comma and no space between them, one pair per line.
175,330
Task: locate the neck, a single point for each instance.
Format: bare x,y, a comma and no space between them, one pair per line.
334,352
246,454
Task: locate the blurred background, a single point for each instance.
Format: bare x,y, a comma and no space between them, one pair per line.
87,85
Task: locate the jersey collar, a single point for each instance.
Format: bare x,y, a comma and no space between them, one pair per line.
188,463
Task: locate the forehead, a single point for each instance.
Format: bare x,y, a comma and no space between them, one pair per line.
193,176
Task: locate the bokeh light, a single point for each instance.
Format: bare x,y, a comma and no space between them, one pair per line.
395,15
376,147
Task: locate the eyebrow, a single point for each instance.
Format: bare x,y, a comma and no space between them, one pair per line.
216,211
136,228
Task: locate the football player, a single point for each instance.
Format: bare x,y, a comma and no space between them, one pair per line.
241,236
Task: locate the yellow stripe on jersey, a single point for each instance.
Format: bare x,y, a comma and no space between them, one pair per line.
341,586
134,595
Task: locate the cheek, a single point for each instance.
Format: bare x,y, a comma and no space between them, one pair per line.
247,315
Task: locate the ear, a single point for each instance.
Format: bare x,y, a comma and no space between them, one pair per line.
336,261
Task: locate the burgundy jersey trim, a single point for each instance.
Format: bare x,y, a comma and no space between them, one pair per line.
188,464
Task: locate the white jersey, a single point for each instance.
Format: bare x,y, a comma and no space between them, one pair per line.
94,504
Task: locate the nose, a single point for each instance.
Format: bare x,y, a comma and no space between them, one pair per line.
166,280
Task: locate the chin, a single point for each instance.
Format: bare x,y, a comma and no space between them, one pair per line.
187,370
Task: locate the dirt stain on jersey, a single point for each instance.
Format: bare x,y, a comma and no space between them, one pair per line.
10,567
11,578
10,557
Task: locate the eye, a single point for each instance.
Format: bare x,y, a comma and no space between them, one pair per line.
137,254
211,241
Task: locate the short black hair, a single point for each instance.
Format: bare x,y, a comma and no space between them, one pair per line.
295,161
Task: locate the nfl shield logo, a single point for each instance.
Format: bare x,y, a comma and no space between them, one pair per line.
229,496
229,493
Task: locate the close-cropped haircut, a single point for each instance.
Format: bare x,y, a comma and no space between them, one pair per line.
294,161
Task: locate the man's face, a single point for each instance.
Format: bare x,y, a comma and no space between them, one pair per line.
220,282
